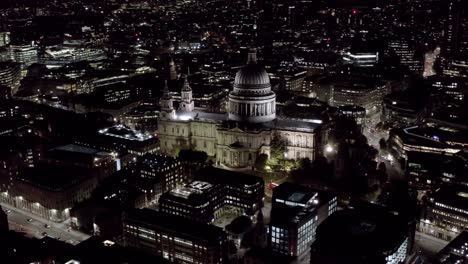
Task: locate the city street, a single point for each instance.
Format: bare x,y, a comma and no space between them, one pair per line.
34,226
373,137
428,246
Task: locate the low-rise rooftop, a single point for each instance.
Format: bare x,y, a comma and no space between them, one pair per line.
176,224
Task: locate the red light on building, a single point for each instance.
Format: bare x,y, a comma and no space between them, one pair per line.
354,12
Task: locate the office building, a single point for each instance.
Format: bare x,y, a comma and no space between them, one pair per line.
80,156
354,112
426,138
430,171
121,138
99,250
214,191
316,87
456,67
10,75
45,192
399,108
446,213
61,55
196,201
366,93
174,238
361,58
292,79
295,214
361,235
25,55
237,191
453,28
406,54
168,169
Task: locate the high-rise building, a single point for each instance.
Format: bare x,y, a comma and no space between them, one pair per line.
406,54
453,28
295,214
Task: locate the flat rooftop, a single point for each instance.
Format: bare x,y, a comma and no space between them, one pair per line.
456,251
360,232
452,196
434,135
98,250
293,202
191,190
54,177
76,153
123,132
155,161
227,177
176,224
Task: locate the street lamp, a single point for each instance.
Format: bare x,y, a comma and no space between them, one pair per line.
329,148
390,157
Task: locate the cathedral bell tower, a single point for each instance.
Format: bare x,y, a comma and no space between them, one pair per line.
186,104
166,103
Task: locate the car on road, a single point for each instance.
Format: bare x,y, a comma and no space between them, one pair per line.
46,225
44,233
8,211
30,220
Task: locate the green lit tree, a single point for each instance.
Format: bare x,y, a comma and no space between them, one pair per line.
277,149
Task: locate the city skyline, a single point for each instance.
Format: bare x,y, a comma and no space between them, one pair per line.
243,131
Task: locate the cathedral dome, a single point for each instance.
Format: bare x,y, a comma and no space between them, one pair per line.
252,99
252,75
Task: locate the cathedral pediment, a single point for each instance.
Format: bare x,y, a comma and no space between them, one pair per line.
236,129
236,145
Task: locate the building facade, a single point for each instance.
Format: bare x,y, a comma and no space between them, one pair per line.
446,213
